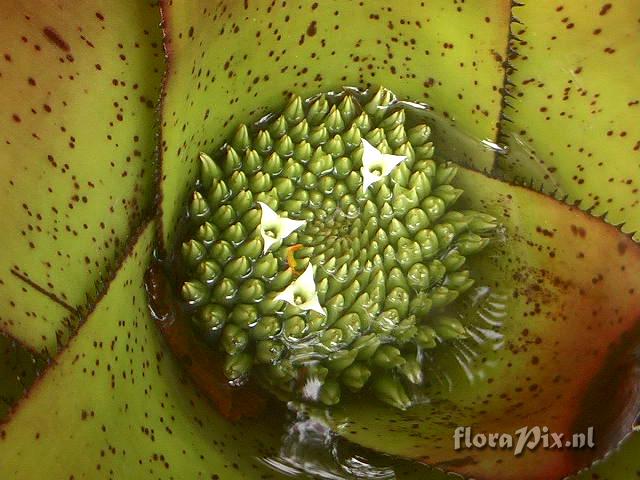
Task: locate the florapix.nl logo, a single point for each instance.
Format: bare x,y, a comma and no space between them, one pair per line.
521,440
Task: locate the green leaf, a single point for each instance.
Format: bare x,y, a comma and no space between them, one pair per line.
575,109
236,61
79,82
552,345
116,405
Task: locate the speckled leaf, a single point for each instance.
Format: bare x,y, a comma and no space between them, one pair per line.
19,368
233,61
576,105
79,80
552,345
115,404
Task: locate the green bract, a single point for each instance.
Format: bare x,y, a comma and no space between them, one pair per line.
360,206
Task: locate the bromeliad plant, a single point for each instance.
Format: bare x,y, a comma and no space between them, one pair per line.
551,319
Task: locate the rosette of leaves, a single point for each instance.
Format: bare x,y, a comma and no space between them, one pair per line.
83,184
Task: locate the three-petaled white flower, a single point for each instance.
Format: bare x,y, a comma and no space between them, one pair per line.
303,292
376,165
274,228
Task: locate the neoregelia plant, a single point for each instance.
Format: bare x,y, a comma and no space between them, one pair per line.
81,81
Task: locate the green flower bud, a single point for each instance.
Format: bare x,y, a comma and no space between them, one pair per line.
326,185
389,258
318,110
236,366
396,136
207,234
445,173
434,207
334,122
193,252
348,109
396,279
303,152
383,195
218,193
386,321
481,222
238,181
352,291
240,141
321,164
470,243
209,171
316,322
409,253
222,251
273,164
260,182
335,147
405,330
340,360
194,292
398,299
251,291
420,306
251,219
418,277
309,181
459,281
397,231
281,374
284,146
294,111
350,325
406,150
269,351
426,337
295,327
210,318
442,296
231,162
416,220
198,208
208,272
300,132
224,216
237,268
437,271
428,167
318,135
235,233
331,338
375,137
278,127
448,328
355,376
234,339
428,241
266,327
389,389
334,306
419,135
363,122
244,315
393,120
387,357
263,144
330,392
285,188
412,370
366,346
376,107
453,261
445,233
459,221
293,170
420,183
400,176
352,137
425,151
448,194
224,291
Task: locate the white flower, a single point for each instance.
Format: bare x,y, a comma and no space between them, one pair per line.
303,293
274,228
376,165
